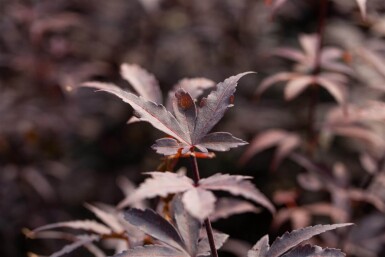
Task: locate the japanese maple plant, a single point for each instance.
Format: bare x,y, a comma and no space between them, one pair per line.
188,123
186,206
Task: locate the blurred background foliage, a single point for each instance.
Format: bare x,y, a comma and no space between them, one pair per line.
61,146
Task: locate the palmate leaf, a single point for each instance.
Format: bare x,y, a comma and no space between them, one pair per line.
198,200
190,125
291,239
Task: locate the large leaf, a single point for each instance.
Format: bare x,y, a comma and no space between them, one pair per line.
160,184
156,226
220,141
187,225
152,251
291,239
214,106
142,81
313,251
200,203
156,114
236,185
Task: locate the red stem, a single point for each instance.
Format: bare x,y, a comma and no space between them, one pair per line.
209,229
312,134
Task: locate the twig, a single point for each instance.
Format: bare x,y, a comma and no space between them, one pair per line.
312,134
209,230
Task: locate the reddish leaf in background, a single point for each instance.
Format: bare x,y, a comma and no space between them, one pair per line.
285,141
332,76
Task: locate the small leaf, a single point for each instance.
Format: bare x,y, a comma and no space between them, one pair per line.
167,146
338,91
142,81
187,225
297,86
81,241
290,53
261,248
204,245
271,80
227,206
89,225
108,218
160,184
220,141
295,237
156,226
313,251
263,141
215,105
285,147
152,251
362,6
199,203
236,185
309,43
155,114
360,133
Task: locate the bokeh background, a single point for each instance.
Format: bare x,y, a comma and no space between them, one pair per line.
62,146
